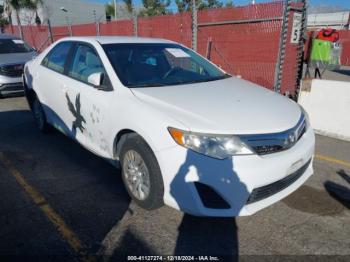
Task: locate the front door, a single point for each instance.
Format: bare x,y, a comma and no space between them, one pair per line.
88,106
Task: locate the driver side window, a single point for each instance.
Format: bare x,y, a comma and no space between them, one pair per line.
86,62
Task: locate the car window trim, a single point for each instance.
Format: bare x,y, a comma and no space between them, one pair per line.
69,63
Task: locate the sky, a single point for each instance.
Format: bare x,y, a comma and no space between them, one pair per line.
341,3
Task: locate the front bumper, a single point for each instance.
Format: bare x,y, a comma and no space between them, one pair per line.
233,179
11,85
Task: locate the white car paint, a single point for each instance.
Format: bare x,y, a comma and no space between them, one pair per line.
229,106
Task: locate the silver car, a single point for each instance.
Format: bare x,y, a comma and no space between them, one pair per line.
14,53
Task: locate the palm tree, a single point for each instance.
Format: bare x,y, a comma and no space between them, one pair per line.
128,4
18,5
110,8
3,20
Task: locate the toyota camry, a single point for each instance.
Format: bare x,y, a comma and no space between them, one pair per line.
183,132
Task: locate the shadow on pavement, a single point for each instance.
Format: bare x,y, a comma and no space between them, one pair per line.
343,72
205,235
208,236
88,193
339,192
85,190
313,201
131,245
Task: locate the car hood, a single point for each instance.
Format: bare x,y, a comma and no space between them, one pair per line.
228,106
16,58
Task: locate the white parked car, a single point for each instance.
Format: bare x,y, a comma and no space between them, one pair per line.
183,131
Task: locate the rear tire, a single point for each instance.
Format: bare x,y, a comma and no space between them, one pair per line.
141,174
39,115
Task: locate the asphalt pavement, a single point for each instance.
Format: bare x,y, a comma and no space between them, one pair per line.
59,202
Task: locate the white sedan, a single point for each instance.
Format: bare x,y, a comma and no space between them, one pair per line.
184,132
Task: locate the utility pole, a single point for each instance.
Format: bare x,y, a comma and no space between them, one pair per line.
69,25
194,25
134,21
95,18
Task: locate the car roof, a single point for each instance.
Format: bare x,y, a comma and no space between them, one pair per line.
117,39
5,36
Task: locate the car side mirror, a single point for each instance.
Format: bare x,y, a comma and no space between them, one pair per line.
96,79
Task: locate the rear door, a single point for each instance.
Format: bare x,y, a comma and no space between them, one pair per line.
49,82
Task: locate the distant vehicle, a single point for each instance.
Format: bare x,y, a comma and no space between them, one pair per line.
14,53
183,131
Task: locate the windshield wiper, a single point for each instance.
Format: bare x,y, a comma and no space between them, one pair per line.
206,80
181,83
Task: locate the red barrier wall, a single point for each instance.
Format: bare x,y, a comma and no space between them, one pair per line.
249,49
177,27
84,30
123,27
344,36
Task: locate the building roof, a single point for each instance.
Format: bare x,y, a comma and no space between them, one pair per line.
335,20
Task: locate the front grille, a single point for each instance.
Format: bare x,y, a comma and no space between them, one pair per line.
272,143
12,70
263,192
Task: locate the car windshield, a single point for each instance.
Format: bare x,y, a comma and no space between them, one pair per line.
149,65
13,46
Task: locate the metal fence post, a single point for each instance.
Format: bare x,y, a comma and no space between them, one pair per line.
97,23
194,25
301,46
98,28
115,9
209,45
282,47
50,30
69,25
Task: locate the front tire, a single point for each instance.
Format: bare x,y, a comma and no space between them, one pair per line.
39,115
141,174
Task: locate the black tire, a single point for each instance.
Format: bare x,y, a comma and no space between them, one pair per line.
154,199
39,115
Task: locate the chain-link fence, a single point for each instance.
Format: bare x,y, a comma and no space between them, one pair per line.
244,40
261,43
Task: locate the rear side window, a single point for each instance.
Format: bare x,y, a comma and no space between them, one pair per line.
57,58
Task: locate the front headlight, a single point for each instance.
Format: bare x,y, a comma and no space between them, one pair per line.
217,146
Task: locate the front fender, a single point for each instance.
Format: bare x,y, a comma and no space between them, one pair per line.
141,118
